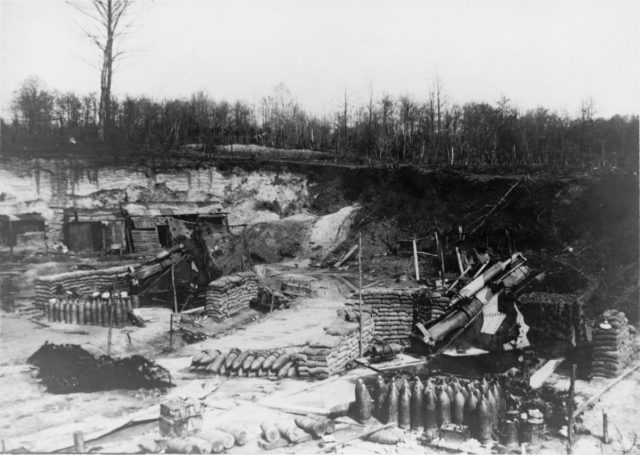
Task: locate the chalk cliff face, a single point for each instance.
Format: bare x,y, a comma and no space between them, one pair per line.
49,186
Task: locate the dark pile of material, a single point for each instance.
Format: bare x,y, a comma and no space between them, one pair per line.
68,368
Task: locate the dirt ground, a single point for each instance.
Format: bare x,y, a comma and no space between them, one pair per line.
26,408
548,213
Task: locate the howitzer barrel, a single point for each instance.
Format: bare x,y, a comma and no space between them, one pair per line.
471,299
481,281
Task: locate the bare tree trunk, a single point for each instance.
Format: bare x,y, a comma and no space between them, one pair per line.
104,113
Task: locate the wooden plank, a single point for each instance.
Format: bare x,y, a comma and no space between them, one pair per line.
61,437
539,377
346,256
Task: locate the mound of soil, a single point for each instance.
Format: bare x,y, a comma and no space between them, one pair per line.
68,368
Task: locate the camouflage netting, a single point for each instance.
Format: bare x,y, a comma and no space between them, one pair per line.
553,317
68,368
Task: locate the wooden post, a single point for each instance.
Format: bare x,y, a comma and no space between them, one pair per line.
415,259
271,307
459,258
440,255
605,427
360,287
78,442
173,287
171,330
572,390
110,326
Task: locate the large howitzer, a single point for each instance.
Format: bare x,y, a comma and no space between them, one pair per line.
469,301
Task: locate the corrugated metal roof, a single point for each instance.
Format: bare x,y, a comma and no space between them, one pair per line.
90,215
154,209
14,217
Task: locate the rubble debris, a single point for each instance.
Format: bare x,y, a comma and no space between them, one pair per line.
612,344
180,417
231,294
69,369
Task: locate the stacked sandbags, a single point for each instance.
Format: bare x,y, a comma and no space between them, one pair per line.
612,346
231,294
329,354
249,363
429,305
392,312
80,283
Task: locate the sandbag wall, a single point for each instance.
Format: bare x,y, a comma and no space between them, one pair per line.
91,311
231,294
553,316
81,283
429,305
329,354
612,344
391,310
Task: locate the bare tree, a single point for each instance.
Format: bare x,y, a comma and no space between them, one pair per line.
105,29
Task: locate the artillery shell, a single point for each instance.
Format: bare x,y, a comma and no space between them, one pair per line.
257,363
246,365
237,362
290,431
282,372
391,404
404,411
417,414
315,428
363,402
430,401
483,418
443,408
379,395
457,408
268,362
214,367
231,356
281,360
269,432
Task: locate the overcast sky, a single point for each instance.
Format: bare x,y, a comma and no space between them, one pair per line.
537,53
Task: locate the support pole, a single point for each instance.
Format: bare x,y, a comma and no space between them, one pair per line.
415,260
605,427
440,255
171,330
78,442
173,287
572,389
360,287
110,326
